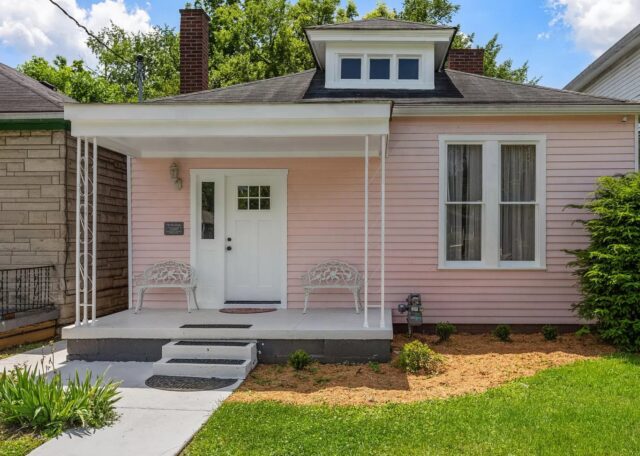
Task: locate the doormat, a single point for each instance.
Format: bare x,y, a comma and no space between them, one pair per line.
170,383
210,326
247,310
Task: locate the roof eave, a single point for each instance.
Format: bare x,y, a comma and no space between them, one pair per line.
420,110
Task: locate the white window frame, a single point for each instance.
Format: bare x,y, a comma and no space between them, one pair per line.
491,201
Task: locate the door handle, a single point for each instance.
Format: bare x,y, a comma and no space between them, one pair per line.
228,247
228,239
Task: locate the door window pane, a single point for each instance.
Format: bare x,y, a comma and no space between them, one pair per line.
350,68
207,211
408,68
464,232
518,184
379,68
254,197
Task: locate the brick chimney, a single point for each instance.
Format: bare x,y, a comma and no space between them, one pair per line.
194,50
467,60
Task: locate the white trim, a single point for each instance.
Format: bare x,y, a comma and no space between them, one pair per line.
78,216
383,188
366,231
491,204
418,36
220,175
510,110
32,115
637,142
129,236
94,234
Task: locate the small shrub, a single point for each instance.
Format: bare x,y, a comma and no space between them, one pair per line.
39,403
550,332
299,359
416,357
584,331
607,268
444,331
503,332
374,366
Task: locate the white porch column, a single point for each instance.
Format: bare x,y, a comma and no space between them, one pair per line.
86,230
366,231
383,184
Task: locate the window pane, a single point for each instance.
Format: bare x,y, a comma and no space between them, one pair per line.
517,232
379,68
464,232
265,203
518,172
243,204
464,172
265,191
254,204
207,210
407,68
254,190
243,191
350,68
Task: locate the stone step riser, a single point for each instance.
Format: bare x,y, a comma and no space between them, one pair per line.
172,350
163,367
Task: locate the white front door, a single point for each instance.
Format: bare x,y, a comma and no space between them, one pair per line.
254,237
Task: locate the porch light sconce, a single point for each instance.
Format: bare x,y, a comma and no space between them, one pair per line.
173,172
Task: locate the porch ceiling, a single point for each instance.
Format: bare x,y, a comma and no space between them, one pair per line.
225,130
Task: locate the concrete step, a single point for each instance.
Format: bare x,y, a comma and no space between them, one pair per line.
210,349
206,368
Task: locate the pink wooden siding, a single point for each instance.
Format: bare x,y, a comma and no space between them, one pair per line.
325,199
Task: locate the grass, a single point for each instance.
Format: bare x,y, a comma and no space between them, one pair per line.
590,407
14,443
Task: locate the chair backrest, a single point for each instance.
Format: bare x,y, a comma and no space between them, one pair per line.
332,273
169,272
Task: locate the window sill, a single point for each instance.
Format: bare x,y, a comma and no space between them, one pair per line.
490,268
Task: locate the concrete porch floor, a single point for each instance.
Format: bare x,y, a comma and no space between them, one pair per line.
282,324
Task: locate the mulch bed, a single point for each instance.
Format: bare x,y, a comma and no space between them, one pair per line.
473,363
247,310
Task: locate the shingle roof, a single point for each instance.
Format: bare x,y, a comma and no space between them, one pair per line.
20,93
451,88
380,24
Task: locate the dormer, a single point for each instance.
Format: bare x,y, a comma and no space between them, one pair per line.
380,53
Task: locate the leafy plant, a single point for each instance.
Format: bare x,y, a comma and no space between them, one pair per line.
609,268
299,359
550,332
40,403
584,331
444,331
503,332
374,366
417,356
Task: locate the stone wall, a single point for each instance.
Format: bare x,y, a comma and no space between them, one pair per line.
37,215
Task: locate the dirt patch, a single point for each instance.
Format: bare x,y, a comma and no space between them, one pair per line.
473,363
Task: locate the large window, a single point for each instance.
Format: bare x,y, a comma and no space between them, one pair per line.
492,198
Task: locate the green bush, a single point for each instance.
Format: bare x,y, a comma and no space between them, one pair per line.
299,359
503,332
550,332
609,268
39,403
584,331
418,357
444,330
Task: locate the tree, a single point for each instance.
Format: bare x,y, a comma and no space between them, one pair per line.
429,11
381,11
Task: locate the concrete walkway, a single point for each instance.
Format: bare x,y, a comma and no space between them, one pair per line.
152,422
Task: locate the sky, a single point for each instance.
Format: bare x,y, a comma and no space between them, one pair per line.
558,38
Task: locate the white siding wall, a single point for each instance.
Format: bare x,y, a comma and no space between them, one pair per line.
620,81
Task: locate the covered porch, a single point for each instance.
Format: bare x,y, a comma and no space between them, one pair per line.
216,144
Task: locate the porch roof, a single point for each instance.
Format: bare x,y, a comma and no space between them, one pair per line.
238,130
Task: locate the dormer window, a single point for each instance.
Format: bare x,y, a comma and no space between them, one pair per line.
379,68
351,68
408,68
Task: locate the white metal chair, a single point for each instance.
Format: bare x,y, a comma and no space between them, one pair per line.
168,274
332,274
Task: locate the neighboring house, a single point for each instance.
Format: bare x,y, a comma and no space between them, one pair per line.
435,181
37,197
616,73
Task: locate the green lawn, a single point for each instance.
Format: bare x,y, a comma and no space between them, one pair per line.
18,444
587,408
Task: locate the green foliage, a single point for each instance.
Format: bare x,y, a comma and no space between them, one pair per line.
444,330
550,332
609,268
584,331
503,332
429,11
381,11
571,410
418,357
41,403
374,366
299,359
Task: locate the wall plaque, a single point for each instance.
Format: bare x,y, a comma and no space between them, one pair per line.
173,228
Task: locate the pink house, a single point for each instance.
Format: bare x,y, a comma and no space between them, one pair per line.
426,177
